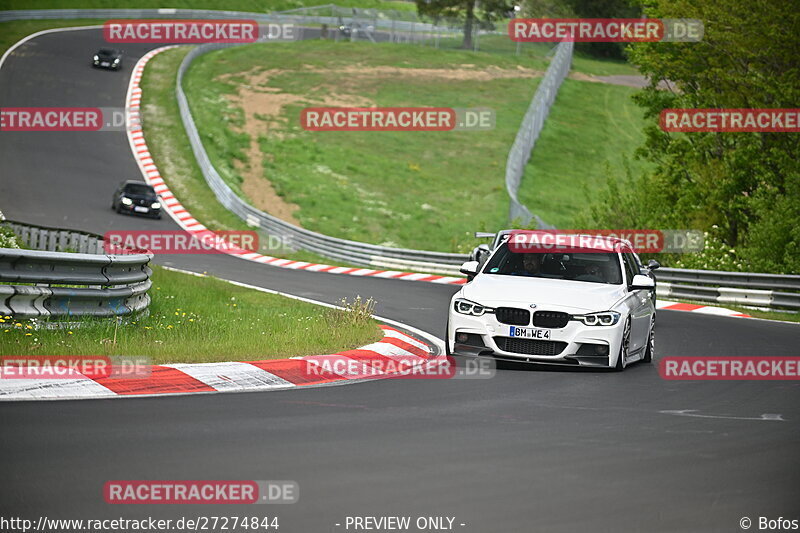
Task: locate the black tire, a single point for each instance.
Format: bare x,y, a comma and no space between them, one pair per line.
623,347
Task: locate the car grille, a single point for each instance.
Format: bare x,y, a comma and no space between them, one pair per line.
530,346
550,319
513,316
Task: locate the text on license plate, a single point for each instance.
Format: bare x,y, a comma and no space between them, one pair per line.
529,333
140,209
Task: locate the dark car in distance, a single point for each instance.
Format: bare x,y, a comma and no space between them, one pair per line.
107,58
136,198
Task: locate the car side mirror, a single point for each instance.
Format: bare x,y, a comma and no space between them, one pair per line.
653,264
640,281
470,268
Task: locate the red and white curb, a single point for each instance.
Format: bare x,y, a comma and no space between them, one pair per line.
397,350
702,309
184,219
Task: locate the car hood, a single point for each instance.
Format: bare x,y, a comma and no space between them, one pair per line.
494,291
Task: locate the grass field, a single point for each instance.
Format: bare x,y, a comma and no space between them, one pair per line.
419,189
196,320
592,129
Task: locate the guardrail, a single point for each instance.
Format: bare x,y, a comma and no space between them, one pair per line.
55,239
61,284
529,131
737,288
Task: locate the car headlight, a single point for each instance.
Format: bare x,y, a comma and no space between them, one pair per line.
465,307
116,60
96,58
603,318
155,205
126,201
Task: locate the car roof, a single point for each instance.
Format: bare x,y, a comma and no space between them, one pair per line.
134,182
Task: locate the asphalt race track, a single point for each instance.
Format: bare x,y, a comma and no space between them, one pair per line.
529,450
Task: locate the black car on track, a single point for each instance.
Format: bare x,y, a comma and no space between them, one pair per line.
137,198
107,58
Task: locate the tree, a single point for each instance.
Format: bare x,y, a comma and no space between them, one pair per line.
747,184
470,11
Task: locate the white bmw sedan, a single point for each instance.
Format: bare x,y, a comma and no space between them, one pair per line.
585,307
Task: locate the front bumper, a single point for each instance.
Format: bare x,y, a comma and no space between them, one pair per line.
131,210
574,345
106,64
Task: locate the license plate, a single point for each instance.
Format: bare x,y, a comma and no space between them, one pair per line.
104,63
529,333
140,209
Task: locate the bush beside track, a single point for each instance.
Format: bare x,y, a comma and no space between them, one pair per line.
198,320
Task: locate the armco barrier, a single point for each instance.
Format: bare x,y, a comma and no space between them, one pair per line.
530,129
55,239
773,291
62,284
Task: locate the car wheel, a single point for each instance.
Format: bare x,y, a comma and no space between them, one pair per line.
623,347
651,342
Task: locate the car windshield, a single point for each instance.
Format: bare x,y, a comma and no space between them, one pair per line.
107,52
591,267
139,189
